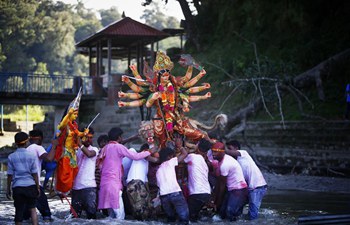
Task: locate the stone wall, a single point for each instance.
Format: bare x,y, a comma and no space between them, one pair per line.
10,125
306,147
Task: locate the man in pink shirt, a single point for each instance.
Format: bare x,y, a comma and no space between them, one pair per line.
231,181
171,195
110,162
256,183
198,184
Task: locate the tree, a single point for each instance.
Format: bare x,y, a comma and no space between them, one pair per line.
16,32
156,18
109,16
58,42
190,23
85,22
312,77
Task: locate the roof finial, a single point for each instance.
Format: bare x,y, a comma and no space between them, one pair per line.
123,15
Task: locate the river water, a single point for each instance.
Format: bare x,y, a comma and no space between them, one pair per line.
278,207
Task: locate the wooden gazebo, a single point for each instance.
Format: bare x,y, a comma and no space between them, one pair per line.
123,39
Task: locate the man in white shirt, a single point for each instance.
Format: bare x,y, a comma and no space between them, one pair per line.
198,184
171,196
256,183
36,138
230,183
84,186
137,187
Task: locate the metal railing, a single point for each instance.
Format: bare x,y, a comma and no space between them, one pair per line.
44,83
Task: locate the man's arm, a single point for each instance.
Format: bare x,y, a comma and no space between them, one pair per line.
48,157
219,192
36,179
87,152
152,159
182,155
9,192
233,153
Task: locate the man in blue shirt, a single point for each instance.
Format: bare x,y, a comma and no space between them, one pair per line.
22,174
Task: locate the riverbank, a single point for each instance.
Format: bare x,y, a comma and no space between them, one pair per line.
307,183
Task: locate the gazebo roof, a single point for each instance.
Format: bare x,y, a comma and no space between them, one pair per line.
123,33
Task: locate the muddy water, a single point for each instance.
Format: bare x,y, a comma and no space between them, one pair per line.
278,207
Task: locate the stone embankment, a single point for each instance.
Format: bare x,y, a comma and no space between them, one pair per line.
301,147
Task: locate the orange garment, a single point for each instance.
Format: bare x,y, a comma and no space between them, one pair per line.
65,175
67,167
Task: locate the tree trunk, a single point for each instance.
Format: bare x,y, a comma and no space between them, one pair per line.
190,25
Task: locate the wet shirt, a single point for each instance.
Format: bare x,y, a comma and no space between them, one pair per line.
38,150
251,172
166,177
126,162
86,175
138,171
21,165
230,168
197,174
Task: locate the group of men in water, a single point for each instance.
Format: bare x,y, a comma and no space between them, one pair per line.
145,183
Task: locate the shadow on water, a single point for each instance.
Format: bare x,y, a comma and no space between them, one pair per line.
278,207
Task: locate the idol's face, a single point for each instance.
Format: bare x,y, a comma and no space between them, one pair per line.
74,116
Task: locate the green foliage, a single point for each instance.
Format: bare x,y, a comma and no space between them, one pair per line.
156,18
34,32
19,113
290,38
85,22
109,16
41,68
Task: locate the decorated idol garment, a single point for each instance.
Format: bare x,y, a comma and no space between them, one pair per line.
169,95
68,134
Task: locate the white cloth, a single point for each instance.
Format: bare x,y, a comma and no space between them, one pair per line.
38,150
119,213
166,177
126,162
210,155
197,174
138,171
230,168
86,174
251,171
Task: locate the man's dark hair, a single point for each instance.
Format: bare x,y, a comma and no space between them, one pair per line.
204,145
144,147
164,154
36,133
234,143
20,137
91,130
103,137
114,133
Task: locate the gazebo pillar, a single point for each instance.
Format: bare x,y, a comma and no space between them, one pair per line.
109,56
152,55
100,58
129,59
90,70
138,56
